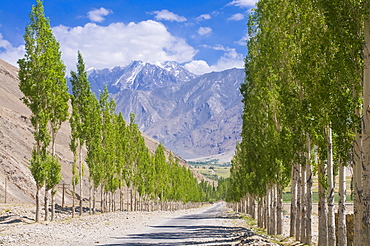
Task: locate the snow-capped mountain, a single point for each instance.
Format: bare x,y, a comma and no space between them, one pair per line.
140,76
194,116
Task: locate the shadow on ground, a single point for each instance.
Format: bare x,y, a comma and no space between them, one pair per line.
187,235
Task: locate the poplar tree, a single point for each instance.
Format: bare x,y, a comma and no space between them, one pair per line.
94,147
81,100
43,83
107,108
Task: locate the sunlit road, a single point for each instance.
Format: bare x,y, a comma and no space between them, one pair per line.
205,227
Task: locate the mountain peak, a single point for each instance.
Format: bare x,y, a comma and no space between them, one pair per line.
195,116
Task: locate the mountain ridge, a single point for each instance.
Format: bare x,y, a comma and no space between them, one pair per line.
193,115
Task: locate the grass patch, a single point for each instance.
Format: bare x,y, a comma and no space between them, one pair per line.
287,196
278,239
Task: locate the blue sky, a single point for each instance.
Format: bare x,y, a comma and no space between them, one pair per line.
204,36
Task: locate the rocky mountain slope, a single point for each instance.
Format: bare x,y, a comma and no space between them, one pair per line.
194,116
16,142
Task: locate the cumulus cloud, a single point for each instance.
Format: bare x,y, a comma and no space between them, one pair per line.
203,17
9,53
237,17
204,30
230,59
244,3
168,16
118,44
97,15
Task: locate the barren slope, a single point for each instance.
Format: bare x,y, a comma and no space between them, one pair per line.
16,142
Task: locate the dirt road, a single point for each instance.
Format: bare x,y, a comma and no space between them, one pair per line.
207,226
210,225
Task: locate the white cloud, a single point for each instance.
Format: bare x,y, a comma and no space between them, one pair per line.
118,44
9,53
230,59
244,3
243,40
204,30
203,17
198,67
168,16
237,17
97,15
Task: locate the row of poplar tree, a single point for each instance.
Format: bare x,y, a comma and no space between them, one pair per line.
306,112
116,154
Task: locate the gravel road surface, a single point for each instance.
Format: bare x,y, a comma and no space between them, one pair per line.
209,225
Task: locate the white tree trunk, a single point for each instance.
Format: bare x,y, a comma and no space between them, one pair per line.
293,202
265,212
272,218
299,200
279,211
331,218
303,204
308,193
323,226
342,239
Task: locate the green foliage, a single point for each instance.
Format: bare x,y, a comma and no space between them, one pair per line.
54,175
38,167
303,73
42,81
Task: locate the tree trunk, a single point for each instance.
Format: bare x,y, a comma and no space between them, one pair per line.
268,211
90,197
357,185
73,200
265,212
102,198
342,238
365,202
253,208
293,202
121,198
259,213
303,204
279,211
38,208
131,202
94,200
46,204
308,194
81,183
331,218
53,193
299,200
323,228
273,210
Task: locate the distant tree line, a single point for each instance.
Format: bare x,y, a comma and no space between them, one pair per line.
116,155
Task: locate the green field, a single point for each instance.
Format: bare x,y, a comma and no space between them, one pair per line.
223,172
287,194
212,168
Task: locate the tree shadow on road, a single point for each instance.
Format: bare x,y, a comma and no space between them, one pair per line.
186,235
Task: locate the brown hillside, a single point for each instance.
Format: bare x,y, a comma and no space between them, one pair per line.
16,142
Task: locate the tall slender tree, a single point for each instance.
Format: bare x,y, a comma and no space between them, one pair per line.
81,109
43,83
